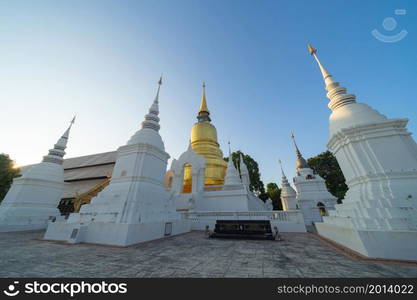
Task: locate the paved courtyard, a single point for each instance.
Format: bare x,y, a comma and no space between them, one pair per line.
189,255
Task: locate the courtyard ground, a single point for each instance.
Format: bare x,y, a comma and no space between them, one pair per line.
24,254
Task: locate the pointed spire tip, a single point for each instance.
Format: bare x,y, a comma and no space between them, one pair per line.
203,104
295,145
312,50
159,87
282,170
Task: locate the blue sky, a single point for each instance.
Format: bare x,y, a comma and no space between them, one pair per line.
101,60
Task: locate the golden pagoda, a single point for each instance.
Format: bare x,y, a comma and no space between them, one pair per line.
204,142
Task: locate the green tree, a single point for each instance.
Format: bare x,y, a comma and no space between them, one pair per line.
274,192
8,171
256,184
326,165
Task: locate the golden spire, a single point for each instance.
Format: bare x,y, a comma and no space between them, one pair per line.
301,163
311,49
203,105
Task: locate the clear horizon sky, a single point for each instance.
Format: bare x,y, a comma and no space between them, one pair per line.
101,60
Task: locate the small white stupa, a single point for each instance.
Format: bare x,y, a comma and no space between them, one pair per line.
134,207
288,194
312,195
232,175
33,198
378,157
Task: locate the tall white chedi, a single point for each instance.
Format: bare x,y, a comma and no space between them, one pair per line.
378,157
288,194
312,195
134,207
33,198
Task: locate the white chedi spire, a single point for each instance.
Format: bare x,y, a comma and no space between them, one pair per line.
148,134
346,112
232,175
151,118
56,154
288,194
287,189
336,93
283,177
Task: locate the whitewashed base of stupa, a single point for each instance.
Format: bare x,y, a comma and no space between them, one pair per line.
116,234
384,244
220,198
30,204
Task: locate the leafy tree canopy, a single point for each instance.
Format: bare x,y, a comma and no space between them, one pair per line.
8,171
274,192
256,184
326,165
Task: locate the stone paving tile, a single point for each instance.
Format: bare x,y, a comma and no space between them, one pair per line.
24,254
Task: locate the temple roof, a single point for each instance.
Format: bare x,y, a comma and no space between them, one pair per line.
85,172
90,160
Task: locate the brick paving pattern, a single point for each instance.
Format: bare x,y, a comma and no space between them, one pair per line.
24,254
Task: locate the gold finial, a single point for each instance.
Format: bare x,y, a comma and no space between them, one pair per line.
203,105
311,49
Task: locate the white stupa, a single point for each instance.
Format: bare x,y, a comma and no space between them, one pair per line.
134,207
33,198
288,194
312,195
378,157
232,175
